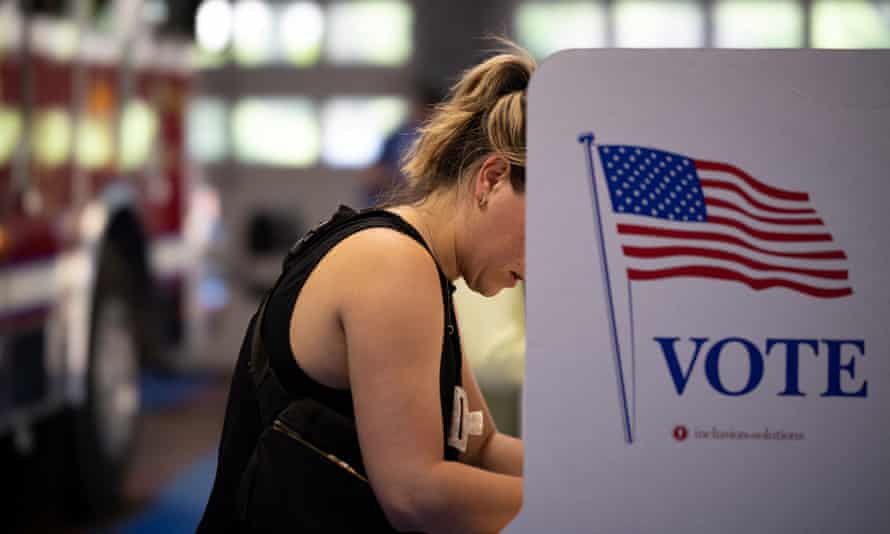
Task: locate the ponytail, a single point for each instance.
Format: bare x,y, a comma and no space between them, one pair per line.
483,114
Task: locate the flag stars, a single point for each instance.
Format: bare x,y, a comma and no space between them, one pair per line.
652,183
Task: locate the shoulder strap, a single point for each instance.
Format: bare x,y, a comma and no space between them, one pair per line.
271,395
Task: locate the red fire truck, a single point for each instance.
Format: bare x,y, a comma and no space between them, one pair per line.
101,230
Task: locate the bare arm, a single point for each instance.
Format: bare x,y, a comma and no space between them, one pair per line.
502,454
495,452
392,316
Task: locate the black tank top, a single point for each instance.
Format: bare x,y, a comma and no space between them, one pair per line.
243,424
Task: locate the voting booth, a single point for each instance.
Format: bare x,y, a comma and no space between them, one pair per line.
708,258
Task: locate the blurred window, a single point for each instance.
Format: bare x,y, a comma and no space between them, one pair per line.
207,133
155,12
276,131
353,129
10,27
253,33
652,24
95,142
758,24
544,28
851,24
139,128
56,38
300,29
10,131
374,33
51,137
213,25
102,16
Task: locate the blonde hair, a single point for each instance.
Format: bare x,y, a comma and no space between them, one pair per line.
483,114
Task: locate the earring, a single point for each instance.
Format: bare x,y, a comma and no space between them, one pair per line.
482,202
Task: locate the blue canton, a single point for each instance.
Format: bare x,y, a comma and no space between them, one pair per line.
653,183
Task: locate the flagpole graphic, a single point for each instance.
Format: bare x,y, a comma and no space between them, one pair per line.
587,139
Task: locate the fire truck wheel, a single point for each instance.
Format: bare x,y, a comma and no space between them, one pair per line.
106,424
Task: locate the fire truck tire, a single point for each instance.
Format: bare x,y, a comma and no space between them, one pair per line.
106,424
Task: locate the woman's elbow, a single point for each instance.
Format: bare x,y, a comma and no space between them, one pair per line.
409,505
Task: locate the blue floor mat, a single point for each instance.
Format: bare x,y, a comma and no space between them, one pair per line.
179,506
163,391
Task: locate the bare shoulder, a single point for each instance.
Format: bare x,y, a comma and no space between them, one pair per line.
386,243
384,259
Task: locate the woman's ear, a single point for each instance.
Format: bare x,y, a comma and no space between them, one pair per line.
493,173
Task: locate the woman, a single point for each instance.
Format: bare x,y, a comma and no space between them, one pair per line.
373,419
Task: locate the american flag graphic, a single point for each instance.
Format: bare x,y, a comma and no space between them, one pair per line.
683,217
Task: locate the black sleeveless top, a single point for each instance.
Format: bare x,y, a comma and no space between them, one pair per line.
243,424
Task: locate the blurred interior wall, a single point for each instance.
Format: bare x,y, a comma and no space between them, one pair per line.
449,36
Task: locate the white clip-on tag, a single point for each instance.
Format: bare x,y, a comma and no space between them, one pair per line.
464,423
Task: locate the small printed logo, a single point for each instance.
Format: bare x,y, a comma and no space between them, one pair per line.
681,433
